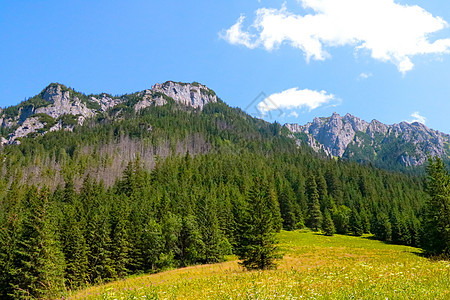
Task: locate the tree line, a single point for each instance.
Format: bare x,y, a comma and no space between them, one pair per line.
192,210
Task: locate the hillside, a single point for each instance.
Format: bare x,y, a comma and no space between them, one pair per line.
136,190
398,146
314,266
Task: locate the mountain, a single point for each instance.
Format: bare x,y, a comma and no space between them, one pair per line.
58,107
399,147
403,145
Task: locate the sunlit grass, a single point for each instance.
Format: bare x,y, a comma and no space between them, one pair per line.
314,266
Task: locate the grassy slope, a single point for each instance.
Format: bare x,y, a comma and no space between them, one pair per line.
314,266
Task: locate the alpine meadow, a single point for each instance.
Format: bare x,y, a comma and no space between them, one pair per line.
167,191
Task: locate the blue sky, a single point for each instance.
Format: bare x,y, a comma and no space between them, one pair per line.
365,56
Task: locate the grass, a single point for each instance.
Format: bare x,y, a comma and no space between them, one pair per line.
313,267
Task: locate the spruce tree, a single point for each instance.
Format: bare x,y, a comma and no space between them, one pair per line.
328,225
41,264
190,242
74,248
356,226
256,237
315,214
437,224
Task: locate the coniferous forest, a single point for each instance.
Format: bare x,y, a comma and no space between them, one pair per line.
230,185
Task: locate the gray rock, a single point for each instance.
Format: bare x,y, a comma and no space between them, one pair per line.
63,104
194,95
30,125
334,135
106,102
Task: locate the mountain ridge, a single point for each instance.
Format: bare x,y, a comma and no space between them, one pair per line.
355,139
58,107
60,102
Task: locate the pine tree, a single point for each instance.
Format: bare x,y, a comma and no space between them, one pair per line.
210,229
120,250
437,226
256,238
10,233
99,244
315,215
74,248
190,242
289,213
356,226
41,268
341,219
328,225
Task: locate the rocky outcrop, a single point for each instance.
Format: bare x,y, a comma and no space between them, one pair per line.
63,104
149,98
106,102
30,125
188,94
405,143
57,100
194,95
334,133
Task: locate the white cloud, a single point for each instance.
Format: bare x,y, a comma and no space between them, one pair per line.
418,118
293,114
295,99
390,32
365,75
234,35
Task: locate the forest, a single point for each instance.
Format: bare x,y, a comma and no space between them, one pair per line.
183,197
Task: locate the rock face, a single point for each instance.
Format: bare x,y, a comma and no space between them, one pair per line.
56,101
63,104
350,137
106,102
189,94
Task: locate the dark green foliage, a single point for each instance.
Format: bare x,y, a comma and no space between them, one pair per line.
356,226
256,238
315,215
383,227
341,219
437,226
328,225
192,200
40,264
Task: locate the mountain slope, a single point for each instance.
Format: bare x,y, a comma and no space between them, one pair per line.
315,266
390,146
58,107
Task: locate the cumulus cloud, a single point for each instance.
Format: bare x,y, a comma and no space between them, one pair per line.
295,98
293,114
235,36
418,118
390,32
365,75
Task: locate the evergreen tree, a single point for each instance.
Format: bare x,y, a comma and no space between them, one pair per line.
210,229
328,225
315,215
151,246
341,219
120,243
256,240
356,226
40,271
436,238
99,244
74,248
190,242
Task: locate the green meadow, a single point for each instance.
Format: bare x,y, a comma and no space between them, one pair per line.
313,267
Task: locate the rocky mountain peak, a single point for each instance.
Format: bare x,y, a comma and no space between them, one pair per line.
54,93
193,94
57,100
350,137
